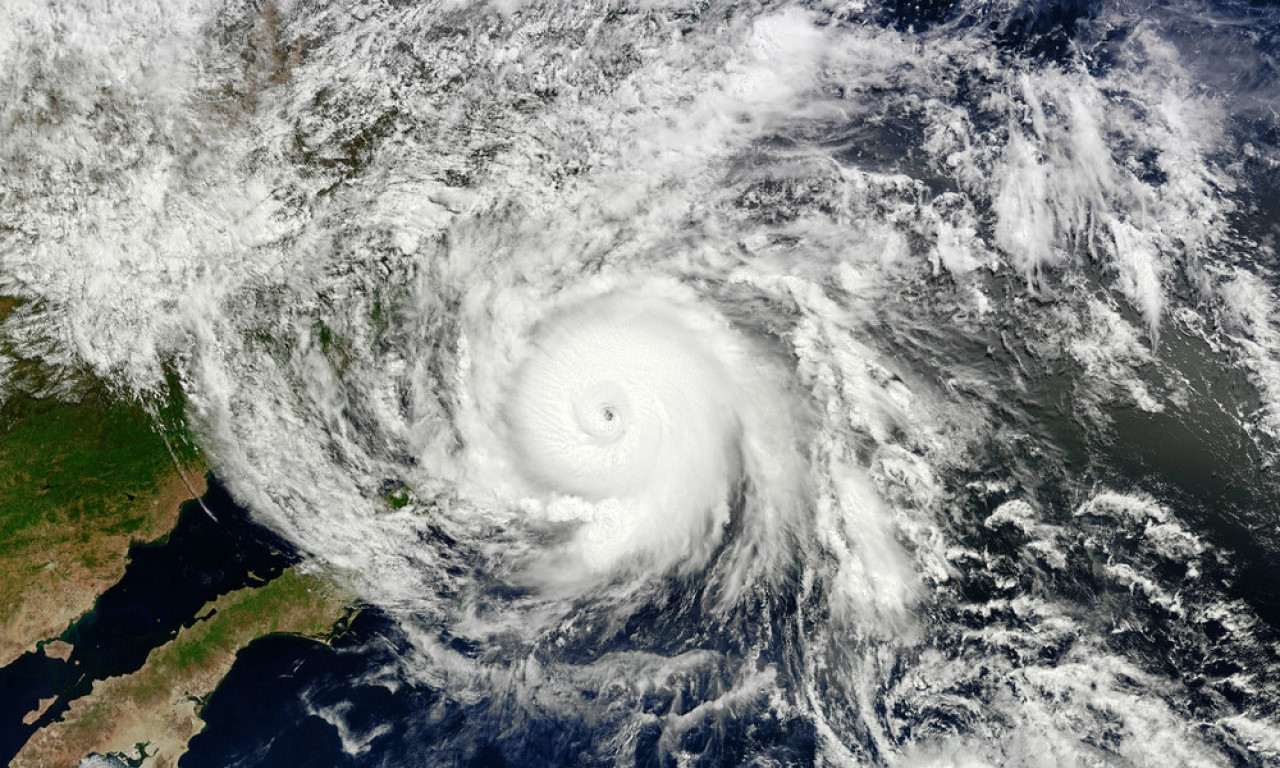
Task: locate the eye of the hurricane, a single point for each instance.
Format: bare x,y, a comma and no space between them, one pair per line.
600,413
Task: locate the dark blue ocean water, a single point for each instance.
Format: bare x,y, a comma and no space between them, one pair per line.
208,553
278,705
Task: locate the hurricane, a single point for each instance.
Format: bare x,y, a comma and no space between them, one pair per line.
692,384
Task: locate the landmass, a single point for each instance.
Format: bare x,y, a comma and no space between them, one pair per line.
78,483
83,475
150,715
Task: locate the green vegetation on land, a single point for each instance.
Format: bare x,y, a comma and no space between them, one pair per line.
159,703
80,465
294,602
82,475
78,482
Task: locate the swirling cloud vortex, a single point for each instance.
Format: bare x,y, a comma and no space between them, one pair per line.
626,410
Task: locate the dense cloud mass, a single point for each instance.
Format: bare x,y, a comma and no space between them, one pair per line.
715,384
